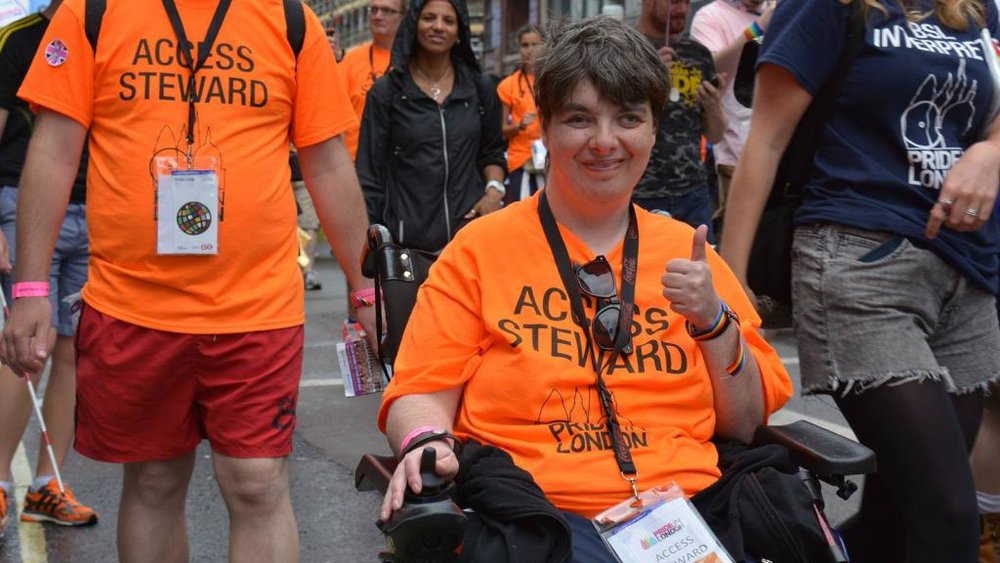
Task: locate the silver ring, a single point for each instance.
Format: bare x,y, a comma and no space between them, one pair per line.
971,212
946,201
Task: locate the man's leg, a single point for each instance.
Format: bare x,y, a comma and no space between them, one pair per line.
248,391
261,522
15,408
15,405
151,521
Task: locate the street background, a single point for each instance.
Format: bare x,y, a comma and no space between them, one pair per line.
336,523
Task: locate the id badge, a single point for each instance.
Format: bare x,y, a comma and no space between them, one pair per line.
187,206
661,527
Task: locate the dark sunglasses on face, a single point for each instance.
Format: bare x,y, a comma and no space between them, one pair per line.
597,279
376,10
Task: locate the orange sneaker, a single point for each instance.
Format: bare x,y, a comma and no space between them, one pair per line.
49,505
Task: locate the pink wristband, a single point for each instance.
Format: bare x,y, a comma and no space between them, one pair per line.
31,289
362,297
413,434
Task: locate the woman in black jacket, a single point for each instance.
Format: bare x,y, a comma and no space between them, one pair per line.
430,154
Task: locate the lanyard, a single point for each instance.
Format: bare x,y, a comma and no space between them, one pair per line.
371,65
531,89
204,48
630,258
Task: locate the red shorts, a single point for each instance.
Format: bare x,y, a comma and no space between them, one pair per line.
148,395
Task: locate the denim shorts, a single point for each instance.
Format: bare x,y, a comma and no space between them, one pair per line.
873,309
68,272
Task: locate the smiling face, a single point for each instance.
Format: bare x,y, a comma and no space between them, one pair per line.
437,27
598,149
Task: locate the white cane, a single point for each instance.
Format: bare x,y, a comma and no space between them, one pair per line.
38,412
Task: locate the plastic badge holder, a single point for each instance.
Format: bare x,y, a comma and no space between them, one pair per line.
661,527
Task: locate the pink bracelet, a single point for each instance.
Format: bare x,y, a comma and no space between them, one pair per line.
362,297
413,434
31,289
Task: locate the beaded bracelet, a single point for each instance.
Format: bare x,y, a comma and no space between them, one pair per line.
30,289
753,32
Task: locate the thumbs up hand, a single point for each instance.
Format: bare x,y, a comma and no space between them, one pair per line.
687,283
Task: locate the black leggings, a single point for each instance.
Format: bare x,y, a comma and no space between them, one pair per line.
921,504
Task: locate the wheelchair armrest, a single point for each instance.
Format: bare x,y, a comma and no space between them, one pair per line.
374,472
815,448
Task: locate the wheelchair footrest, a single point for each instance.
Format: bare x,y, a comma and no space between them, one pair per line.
818,449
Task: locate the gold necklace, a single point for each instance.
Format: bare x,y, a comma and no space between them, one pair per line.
435,85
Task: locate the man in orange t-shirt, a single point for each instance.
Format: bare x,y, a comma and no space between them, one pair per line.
364,64
192,325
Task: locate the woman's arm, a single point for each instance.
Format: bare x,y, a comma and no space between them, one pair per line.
408,413
373,142
971,185
490,160
779,102
738,397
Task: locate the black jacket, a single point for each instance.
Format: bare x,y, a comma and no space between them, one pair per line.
511,520
420,165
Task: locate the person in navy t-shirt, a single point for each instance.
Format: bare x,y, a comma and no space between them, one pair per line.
895,254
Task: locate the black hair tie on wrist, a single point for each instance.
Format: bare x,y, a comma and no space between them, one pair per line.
427,437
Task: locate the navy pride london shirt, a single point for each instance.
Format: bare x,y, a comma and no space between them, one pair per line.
915,98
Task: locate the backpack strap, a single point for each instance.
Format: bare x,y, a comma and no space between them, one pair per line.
93,16
796,163
295,24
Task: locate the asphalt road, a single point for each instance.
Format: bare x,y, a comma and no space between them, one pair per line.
336,523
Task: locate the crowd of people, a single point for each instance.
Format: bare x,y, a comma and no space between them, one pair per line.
148,197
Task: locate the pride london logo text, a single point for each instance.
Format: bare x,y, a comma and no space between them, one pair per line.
664,532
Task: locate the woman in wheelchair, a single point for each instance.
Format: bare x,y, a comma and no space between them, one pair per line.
571,326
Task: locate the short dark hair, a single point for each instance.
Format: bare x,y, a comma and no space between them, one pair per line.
618,60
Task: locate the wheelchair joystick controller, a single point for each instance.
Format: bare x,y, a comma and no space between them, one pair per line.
429,527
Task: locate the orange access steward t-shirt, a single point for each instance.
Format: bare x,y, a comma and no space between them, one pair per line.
494,317
361,67
253,99
517,92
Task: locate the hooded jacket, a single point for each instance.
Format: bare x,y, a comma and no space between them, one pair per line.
420,165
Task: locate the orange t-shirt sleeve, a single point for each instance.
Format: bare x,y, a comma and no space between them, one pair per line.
322,107
775,383
505,91
63,82
445,336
